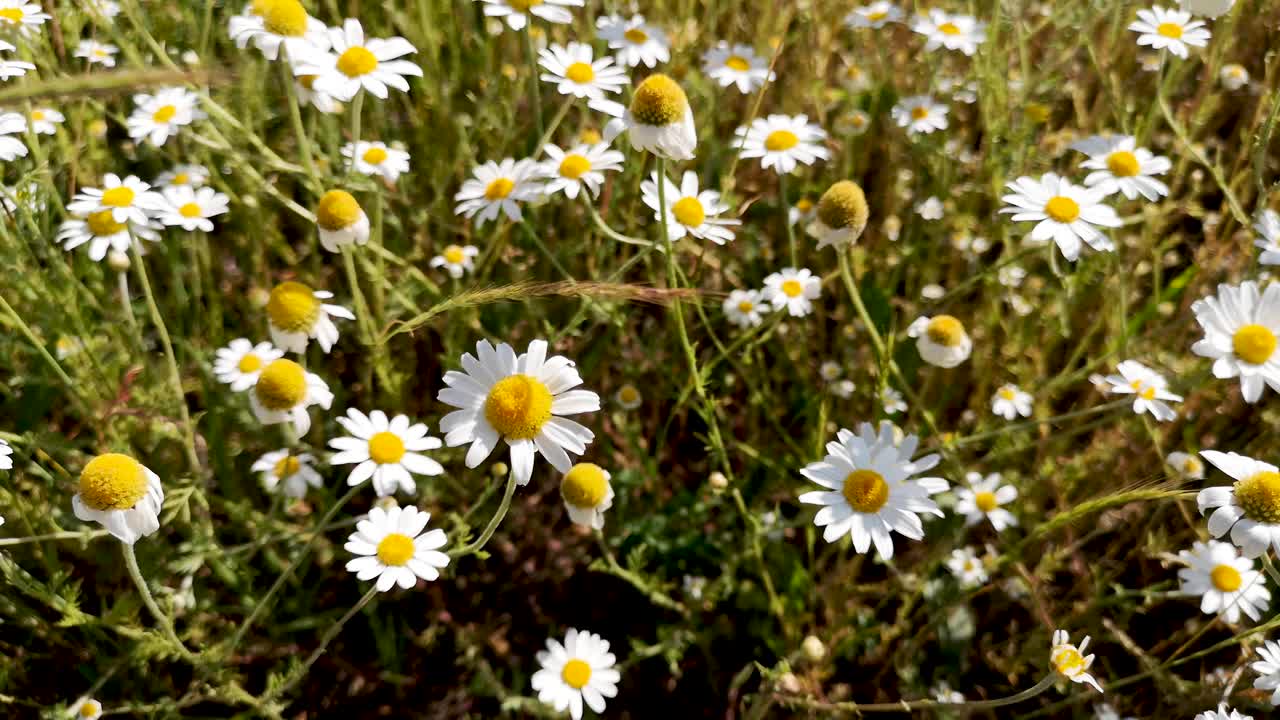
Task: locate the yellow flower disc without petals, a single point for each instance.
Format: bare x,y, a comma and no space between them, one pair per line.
584,486
113,482
11,15
580,72
945,330
1067,660
498,189
1170,30
249,363
518,406
636,35
281,386
659,100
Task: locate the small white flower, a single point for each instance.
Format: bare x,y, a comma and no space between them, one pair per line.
953,32
120,493
190,208
874,15
6,458
633,40
743,307
157,117
659,120
1269,669
1071,662
283,393
1226,583
129,200
930,209
1208,8
941,340
587,494
45,120
737,65
292,474
628,397
21,16
1063,212
1240,335
390,546
1222,713
1118,165
688,211
843,389
240,363
984,498
283,24
96,53
456,259
782,142
387,450
792,288
1010,402
580,168
1233,76
102,233
581,670
920,114
357,63
499,187
296,314
892,402
517,12
573,71
11,147
85,708
377,160
1187,465
340,221
967,567
193,175
1171,30
1149,388
1250,508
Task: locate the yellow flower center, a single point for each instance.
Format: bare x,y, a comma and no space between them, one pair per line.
101,224
1259,496
164,114
780,140
576,673
628,394
919,112
307,81
1190,466
498,189
804,205
90,708
395,549
877,16
689,212
454,255
584,486
190,210
180,179
113,482
1170,30
659,100
747,306
337,210
843,205
1007,394
792,288
945,330
574,166
986,501
375,156
580,72
120,197
1148,393
1226,578
865,490
286,18
12,15
293,307
518,406
948,29
37,115
357,61
287,466
386,448
249,363
737,62
1253,343
1067,660
1062,209
282,385
636,35
1123,163
523,6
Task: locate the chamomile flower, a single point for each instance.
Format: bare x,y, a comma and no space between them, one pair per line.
11,147
873,15
26,195
581,670
743,308
387,450
1226,583
14,68
390,546
357,63
782,142
6,453
1118,165
1233,76
305,86
295,314
580,168
495,187
1063,212
967,567
283,393
1187,465
157,117
1250,508
587,494
520,399
634,41
737,65
891,401
984,498
1240,335
870,488
573,71
45,120
688,211
841,215
517,12
86,708
240,363
930,209
802,213
1070,661
190,208
659,120
96,53
919,114
628,397
121,494
830,371
792,288
272,25
341,221
21,16
291,474
941,340
1171,30
100,231
376,159
1267,224
192,175
1010,402
953,32
843,389
1269,669
1149,388
456,259
1222,713
129,200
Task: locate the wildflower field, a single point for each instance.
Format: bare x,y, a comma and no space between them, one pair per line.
555,358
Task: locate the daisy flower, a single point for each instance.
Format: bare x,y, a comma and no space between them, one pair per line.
1222,713
1267,224
628,397
803,212
45,120
941,340
843,389
96,53
1120,166
1070,661
688,211
283,393
157,117
571,69
190,208
587,493
129,200
100,231
341,221
874,15
1250,508
391,547
841,216
6,452
121,494
517,12
240,363
376,159
580,670
892,402
495,187
1171,30
22,16
1269,669
983,500
521,399
1226,583
193,175
1063,212
659,120
953,32
292,474
295,314
634,41
743,308
930,209
870,490
281,24
1233,76
1187,466
919,114
793,289
967,567
356,63
389,451
736,65
579,168
86,708
305,86
1149,388
1010,402
456,259
781,142
1240,327
10,146
830,371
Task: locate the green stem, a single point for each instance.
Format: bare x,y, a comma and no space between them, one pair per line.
72,388
907,706
328,637
786,217
356,104
534,90
295,116
494,521
131,561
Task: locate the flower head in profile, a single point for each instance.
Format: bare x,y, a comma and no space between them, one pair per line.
579,169
1267,224
1149,389
240,363
1063,212
283,393
1171,30
587,494
1250,508
633,40
1268,668
158,117
792,288
296,314
736,65
1010,402
1241,330
743,308
341,221
689,211
390,545
941,340
1226,583
387,450
581,670
841,215
456,259
499,187
1120,166
120,493
574,71
953,32
659,120
985,499
191,208
358,63
782,142
1070,661
273,25
873,15
289,473
517,13
919,114
377,160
